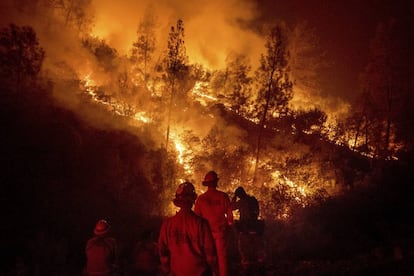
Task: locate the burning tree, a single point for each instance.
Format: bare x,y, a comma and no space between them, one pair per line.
237,83
105,54
176,67
144,47
310,121
306,62
274,86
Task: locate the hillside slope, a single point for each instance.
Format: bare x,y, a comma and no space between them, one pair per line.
60,174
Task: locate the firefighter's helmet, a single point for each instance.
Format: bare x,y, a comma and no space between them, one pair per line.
185,195
102,227
210,179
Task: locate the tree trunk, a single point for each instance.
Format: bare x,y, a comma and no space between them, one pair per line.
169,114
261,126
357,133
388,127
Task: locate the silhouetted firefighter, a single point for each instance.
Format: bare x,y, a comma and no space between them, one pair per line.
215,206
101,252
250,232
186,245
146,261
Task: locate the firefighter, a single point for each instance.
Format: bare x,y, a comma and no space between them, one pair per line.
145,256
185,244
214,205
250,232
101,252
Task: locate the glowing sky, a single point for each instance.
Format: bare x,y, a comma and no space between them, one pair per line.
214,28
211,27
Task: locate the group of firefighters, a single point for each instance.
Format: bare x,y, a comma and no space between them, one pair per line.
192,242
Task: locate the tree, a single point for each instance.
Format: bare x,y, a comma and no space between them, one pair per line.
104,53
306,62
384,82
74,12
361,122
144,47
176,66
21,56
218,81
238,84
310,120
274,85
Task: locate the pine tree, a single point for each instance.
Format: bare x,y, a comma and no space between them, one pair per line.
176,66
238,84
144,47
383,82
21,56
274,86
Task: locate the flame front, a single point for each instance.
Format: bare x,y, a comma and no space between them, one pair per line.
131,99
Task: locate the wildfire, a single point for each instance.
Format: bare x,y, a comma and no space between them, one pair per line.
184,154
91,88
296,191
299,191
90,85
123,79
180,148
141,116
200,95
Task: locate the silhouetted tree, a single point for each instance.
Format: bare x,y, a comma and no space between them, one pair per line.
21,56
306,60
361,122
310,120
144,47
104,53
384,82
176,66
75,12
218,81
274,85
220,148
238,84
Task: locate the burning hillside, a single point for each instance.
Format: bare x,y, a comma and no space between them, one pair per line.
257,125
107,107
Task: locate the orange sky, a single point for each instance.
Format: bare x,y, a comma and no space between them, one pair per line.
211,26
214,28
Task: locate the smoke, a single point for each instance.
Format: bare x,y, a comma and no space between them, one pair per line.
212,28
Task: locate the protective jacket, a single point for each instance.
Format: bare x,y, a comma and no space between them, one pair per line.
101,254
186,246
214,205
